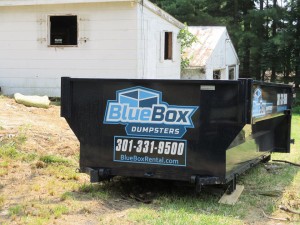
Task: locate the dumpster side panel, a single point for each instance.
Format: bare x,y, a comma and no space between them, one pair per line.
271,113
155,128
268,129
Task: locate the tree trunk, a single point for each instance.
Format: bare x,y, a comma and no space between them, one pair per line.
236,7
247,29
258,57
297,48
274,32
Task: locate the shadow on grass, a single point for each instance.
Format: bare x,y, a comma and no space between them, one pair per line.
165,197
176,203
147,190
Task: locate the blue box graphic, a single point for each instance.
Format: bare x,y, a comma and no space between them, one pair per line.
139,98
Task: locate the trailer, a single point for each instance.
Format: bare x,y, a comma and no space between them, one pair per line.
199,131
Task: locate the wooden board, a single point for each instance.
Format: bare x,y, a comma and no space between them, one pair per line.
233,197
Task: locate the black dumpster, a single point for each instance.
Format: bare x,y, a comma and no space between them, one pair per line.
203,132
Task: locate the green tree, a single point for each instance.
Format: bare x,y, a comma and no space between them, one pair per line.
187,39
265,33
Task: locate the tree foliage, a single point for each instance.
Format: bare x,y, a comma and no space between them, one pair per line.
187,39
265,33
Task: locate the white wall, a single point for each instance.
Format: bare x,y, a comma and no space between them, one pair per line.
151,64
222,57
29,66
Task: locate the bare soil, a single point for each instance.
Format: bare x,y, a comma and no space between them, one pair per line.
31,184
39,189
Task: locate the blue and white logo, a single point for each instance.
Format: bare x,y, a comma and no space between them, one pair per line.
260,107
145,114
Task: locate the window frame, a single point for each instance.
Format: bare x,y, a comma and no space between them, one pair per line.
217,73
49,31
162,46
231,68
168,50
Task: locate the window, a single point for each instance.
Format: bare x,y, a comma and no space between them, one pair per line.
217,75
168,46
63,30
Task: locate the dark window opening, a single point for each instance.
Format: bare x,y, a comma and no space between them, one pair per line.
231,73
217,75
63,30
168,46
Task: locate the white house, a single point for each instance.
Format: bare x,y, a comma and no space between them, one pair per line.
213,55
43,40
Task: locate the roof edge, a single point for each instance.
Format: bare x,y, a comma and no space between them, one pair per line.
152,7
52,2
233,49
160,12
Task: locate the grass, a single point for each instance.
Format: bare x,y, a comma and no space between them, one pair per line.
39,213
60,191
184,207
60,210
63,172
11,150
2,201
178,215
10,147
54,159
96,191
16,210
67,196
55,101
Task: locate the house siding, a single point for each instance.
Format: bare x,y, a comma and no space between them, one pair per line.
222,57
150,30
107,46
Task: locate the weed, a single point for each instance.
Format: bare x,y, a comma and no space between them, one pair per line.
29,157
16,210
55,101
62,172
4,168
89,188
3,172
33,220
4,164
36,187
94,191
9,147
21,137
60,210
85,210
53,159
2,200
67,196
40,165
9,150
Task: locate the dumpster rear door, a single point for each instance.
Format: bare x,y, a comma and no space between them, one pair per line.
271,112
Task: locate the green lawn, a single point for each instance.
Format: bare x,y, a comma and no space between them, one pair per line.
182,206
59,193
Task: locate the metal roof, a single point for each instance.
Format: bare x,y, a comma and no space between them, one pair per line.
208,37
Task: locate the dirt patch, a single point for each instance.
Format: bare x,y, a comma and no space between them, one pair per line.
46,132
39,183
37,192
